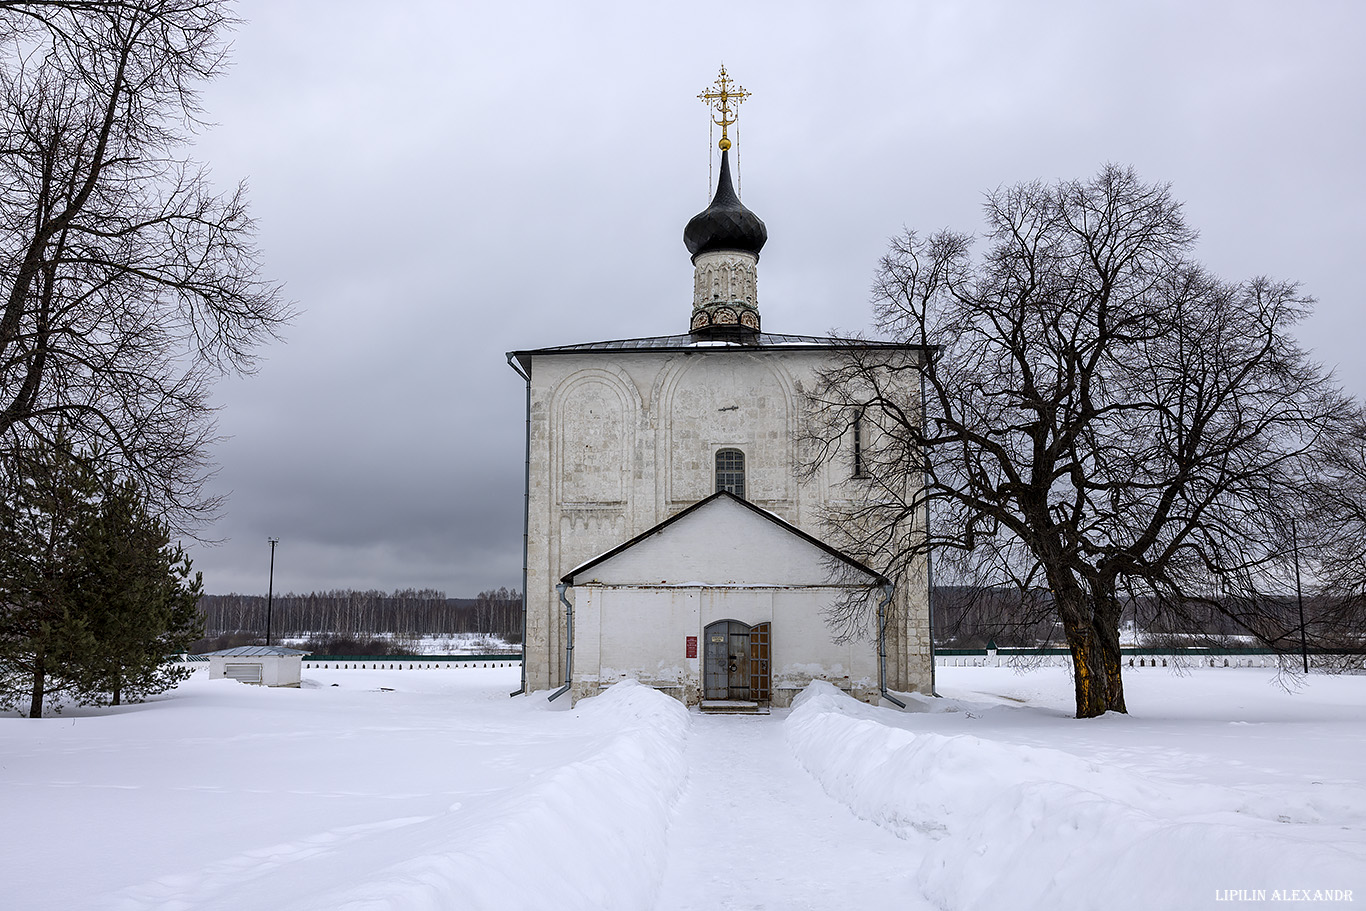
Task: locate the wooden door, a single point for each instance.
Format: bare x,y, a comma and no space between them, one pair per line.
715,661
760,672
739,660
725,660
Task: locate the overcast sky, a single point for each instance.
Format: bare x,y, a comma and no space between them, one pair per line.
439,183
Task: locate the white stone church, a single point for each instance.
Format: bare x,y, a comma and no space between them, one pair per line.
671,535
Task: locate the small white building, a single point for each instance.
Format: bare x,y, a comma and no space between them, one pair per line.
722,602
266,665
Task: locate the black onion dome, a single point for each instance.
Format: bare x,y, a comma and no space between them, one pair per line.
725,224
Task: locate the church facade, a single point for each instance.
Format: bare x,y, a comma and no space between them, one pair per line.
674,529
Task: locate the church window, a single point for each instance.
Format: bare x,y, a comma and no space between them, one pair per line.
730,471
860,470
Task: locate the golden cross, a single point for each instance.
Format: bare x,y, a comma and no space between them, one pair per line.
721,96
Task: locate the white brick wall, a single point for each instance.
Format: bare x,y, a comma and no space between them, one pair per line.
621,440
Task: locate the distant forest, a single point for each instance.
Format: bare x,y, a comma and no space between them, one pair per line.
972,617
363,614
964,617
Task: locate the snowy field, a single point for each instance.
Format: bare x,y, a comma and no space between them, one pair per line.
433,790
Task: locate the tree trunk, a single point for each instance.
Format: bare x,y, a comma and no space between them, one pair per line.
1108,636
35,706
118,685
1088,670
1090,620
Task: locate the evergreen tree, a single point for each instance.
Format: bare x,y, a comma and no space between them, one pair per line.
138,598
93,596
48,499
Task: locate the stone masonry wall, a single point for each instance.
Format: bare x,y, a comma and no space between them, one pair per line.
621,440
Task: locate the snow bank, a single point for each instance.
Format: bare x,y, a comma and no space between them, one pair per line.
1034,827
587,835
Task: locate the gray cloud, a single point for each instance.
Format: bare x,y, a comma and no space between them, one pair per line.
440,183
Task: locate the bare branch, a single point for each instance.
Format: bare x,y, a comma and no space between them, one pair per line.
127,283
1104,420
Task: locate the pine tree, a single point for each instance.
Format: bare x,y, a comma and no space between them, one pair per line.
48,497
138,599
94,598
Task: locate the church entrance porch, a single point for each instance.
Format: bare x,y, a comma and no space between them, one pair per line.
710,639
736,664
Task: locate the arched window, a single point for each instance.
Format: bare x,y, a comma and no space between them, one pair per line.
730,471
860,470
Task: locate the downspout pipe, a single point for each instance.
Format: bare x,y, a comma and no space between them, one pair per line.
887,591
569,643
526,512
929,555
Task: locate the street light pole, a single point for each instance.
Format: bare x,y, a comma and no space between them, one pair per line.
1299,593
270,587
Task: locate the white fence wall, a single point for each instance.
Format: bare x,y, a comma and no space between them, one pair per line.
1329,662
406,664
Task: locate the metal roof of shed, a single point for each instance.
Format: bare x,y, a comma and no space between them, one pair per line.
257,651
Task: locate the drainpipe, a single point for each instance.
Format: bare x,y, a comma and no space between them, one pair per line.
887,591
929,556
526,514
569,643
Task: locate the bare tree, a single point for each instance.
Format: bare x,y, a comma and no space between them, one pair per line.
126,282
1335,541
1103,420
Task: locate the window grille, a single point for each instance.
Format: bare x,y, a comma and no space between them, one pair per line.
730,471
244,673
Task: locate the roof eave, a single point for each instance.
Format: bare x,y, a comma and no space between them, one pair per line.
620,346
877,577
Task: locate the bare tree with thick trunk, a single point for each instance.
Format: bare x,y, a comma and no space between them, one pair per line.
127,283
1103,419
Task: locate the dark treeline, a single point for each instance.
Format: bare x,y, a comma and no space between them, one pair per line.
964,617
359,614
972,617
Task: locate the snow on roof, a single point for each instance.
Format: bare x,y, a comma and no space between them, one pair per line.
688,342
255,651
762,340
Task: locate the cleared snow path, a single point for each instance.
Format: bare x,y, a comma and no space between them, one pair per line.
753,830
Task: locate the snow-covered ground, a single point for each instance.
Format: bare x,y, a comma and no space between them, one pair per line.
431,789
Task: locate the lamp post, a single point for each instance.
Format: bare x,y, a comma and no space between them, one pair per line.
1299,593
270,586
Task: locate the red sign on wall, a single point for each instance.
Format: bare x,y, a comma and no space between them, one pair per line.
692,646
